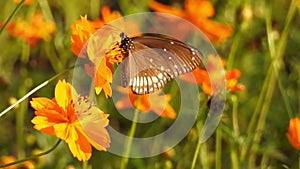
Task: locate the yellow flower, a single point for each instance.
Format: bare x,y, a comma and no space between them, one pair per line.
154,102
293,133
198,12
72,118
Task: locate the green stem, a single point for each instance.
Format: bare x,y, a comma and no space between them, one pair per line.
12,15
218,160
233,149
20,119
127,147
33,91
256,112
85,165
233,50
276,62
276,56
32,157
195,157
270,79
46,10
262,120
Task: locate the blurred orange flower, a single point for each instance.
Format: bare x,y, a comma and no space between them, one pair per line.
27,2
293,133
82,30
72,118
198,12
6,160
32,31
202,78
154,102
9,159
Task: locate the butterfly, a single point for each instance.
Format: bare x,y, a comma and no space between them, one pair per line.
151,60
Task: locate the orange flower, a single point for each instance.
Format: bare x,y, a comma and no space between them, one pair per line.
6,160
198,12
293,133
154,102
202,78
27,2
32,31
82,30
73,119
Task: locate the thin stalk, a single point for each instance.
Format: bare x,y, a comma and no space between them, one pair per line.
261,121
20,120
33,91
32,157
85,165
12,15
218,160
277,56
276,62
234,156
203,156
195,157
128,146
256,112
46,10
236,132
233,50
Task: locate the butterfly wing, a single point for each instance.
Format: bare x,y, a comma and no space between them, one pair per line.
154,60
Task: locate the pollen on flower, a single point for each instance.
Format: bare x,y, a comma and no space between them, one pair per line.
115,54
83,106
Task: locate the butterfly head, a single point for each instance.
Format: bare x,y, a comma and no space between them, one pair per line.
126,42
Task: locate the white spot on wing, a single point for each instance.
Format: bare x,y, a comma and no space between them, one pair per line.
154,79
160,75
149,81
134,82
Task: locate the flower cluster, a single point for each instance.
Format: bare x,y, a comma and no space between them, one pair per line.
32,32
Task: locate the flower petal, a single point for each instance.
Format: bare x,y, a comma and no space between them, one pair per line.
64,93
